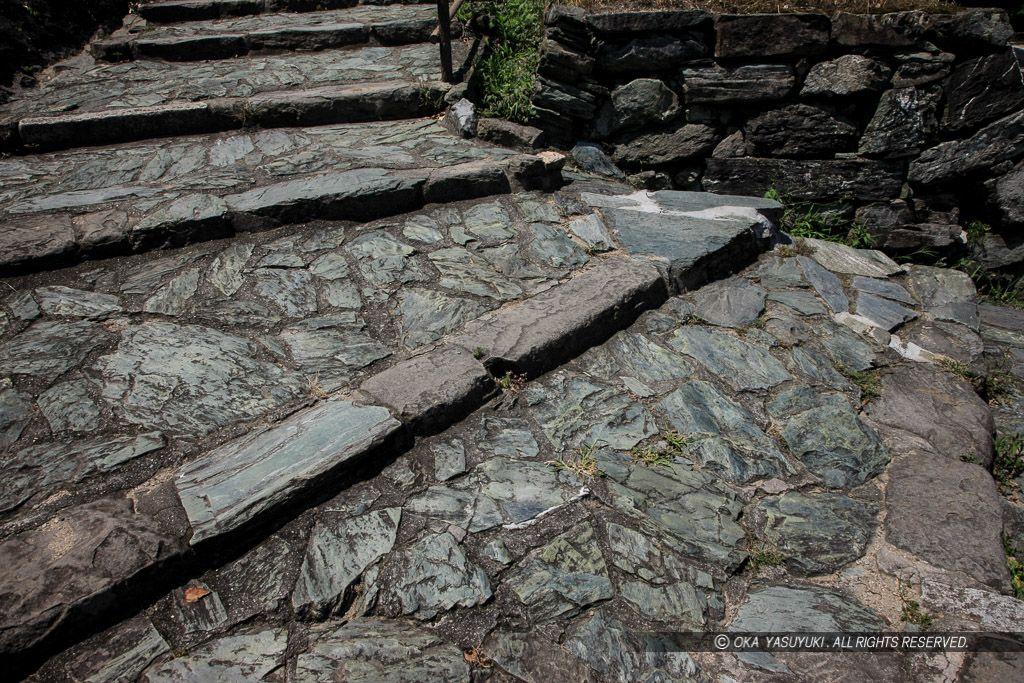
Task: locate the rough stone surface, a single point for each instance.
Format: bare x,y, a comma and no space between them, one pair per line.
56,573
846,76
924,487
672,145
744,366
805,179
761,35
232,485
649,54
983,89
946,294
639,103
924,408
250,655
718,85
903,124
799,130
591,157
950,161
730,303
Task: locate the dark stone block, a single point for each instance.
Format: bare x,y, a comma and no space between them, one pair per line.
770,35
951,161
806,179
973,30
981,90
847,76
718,85
896,29
904,122
652,53
625,23
565,98
671,145
799,130
1006,196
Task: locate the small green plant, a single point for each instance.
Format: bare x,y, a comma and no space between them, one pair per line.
582,462
809,220
992,386
1008,463
958,368
994,288
1015,565
763,554
676,441
479,353
869,383
431,100
786,251
910,609
970,459
511,382
649,456
976,231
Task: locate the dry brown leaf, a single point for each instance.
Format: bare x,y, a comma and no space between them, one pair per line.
195,594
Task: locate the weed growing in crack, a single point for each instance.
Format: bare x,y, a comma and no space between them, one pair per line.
479,353
910,609
763,554
511,382
582,462
809,220
870,383
1015,565
658,455
993,386
315,390
1008,463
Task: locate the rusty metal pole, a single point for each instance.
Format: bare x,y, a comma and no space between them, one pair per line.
444,35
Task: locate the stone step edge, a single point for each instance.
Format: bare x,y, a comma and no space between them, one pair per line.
39,241
357,103
234,44
203,10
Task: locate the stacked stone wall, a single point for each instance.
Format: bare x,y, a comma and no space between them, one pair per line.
913,121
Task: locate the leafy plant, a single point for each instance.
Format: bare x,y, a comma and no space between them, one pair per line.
809,220
994,288
511,382
657,455
910,609
1008,463
991,386
1015,565
763,554
976,231
582,462
479,353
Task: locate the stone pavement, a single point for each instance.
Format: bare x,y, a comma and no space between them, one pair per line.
375,403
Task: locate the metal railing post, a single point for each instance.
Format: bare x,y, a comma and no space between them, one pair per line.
444,35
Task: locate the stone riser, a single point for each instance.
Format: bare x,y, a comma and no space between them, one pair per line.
386,101
362,195
226,45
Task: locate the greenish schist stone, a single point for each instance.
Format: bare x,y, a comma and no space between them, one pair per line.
425,315
196,618
692,512
819,368
422,229
235,483
839,258
131,647
173,297
343,294
553,246
292,291
803,303
225,273
724,437
845,347
146,278
592,230
883,288
819,532
48,349
664,588
191,380
781,273
509,259
506,437
259,581
237,312
433,576
376,650
277,259
489,222
826,284
75,303
69,407
242,656
449,459
574,411
40,468
497,491
883,312
828,437
743,365
384,261
946,294
15,413
563,577
734,302
620,653
23,306
534,211
463,272
331,266
339,550
332,348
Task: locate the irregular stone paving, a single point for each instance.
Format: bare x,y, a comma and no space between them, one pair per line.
485,553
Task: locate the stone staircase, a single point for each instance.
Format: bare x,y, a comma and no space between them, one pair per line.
295,385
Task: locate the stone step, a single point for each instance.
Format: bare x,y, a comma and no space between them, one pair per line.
171,11
194,41
82,89
379,101
233,495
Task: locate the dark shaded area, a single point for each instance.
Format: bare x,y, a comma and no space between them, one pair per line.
34,33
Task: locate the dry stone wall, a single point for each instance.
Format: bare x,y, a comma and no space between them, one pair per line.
914,121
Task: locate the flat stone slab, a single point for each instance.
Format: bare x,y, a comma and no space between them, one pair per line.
924,487
306,31
234,484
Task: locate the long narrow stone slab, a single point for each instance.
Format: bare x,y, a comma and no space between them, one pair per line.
379,101
296,32
199,10
236,484
547,330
